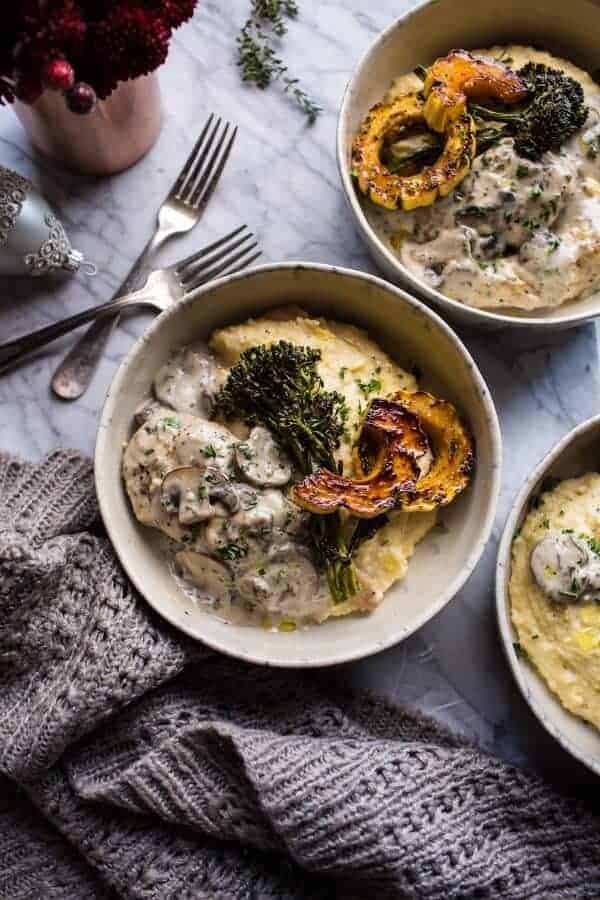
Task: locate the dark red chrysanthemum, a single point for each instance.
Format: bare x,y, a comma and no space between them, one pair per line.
105,41
132,42
174,12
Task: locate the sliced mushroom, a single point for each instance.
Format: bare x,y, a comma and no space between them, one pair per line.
565,568
269,508
202,443
287,585
235,496
185,490
211,577
188,383
252,525
260,460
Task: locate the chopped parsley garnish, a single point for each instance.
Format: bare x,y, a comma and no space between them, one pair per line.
520,651
594,545
231,552
553,245
246,451
209,451
536,191
522,171
369,387
171,422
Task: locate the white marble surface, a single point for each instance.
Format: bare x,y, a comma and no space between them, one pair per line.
282,180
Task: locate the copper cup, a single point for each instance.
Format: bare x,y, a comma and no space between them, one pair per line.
118,131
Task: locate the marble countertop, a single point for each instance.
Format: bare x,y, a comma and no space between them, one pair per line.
282,181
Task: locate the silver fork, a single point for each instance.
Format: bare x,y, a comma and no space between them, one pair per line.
229,254
179,213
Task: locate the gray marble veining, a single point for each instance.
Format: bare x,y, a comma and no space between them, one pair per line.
282,181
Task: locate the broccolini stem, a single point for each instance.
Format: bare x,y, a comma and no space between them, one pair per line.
495,114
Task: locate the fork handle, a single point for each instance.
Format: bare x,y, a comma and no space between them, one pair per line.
13,352
74,374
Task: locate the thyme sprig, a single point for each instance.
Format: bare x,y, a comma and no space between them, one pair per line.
258,59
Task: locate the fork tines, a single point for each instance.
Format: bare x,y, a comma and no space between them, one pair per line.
229,254
205,163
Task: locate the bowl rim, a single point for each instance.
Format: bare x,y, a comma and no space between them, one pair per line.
503,569
492,426
477,317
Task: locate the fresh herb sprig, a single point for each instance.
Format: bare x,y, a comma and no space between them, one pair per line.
278,386
258,59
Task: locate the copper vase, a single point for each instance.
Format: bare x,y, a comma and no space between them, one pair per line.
118,132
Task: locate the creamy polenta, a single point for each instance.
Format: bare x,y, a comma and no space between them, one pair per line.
554,595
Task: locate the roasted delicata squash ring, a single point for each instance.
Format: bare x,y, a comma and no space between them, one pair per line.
387,454
396,434
458,77
452,446
393,191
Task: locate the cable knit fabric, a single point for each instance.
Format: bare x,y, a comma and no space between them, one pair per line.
136,764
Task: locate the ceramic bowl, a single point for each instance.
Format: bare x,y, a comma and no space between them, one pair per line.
413,335
431,30
574,455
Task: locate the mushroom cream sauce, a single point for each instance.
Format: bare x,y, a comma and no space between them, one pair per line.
219,493
534,242
554,592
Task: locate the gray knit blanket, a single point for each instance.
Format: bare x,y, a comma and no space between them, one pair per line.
136,764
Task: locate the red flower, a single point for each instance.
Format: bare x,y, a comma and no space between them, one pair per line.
105,41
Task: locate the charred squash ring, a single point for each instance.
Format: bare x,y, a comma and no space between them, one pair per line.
395,435
393,191
459,76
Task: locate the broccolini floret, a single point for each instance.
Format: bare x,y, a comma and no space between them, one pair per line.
554,112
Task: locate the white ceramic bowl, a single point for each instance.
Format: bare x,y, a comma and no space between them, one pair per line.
574,455
411,333
431,30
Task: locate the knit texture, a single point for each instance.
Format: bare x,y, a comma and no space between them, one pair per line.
137,764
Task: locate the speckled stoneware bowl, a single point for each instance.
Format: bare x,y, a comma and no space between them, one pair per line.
431,30
413,335
574,455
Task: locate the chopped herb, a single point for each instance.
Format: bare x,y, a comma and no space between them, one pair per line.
148,452
369,387
209,451
342,372
530,225
246,451
231,552
171,422
536,191
553,245
522,171
546,523
520,651
593,544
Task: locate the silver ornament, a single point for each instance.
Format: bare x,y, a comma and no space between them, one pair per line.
32,239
